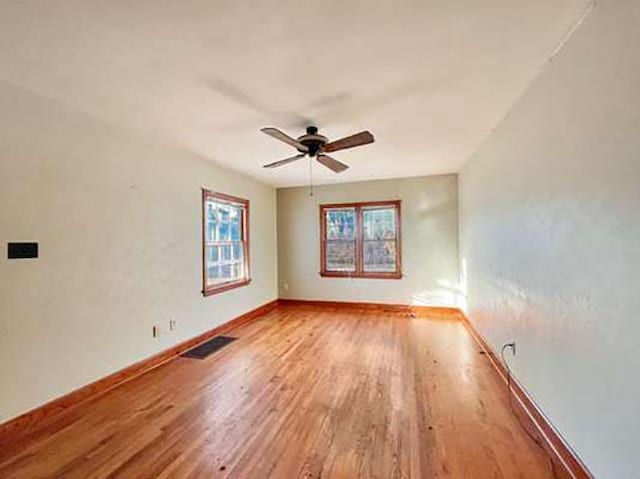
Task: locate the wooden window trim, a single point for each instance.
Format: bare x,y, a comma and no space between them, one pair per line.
359,272
222,287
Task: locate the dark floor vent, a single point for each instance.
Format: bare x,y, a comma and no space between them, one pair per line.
210,347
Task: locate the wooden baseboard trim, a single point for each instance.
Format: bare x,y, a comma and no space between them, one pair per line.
406,309
566,463
21,426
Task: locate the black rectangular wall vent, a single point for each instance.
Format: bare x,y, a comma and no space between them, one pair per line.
22,250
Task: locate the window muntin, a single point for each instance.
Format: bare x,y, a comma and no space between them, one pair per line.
226,244
361,240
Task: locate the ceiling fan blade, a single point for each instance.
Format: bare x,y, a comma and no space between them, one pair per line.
362,138
275,164
279,135
332,164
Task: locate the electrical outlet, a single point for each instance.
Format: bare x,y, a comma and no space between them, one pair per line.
172,325
156,330
286,286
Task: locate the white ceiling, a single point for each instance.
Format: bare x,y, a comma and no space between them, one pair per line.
430,79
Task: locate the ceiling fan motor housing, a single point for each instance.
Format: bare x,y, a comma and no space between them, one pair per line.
313,141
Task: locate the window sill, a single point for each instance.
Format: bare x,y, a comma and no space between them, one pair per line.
221,288
339,274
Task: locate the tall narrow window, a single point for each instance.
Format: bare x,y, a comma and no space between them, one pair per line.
361,240
225,242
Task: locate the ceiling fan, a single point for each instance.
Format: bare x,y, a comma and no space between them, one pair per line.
316,145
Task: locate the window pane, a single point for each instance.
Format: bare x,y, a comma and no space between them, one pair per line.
379,223
236,223
226,252
341,224
379,256
213,254
341,256
238,252
238,270
235,233
223,212
225,272
224,221
213,274
223,231
210,217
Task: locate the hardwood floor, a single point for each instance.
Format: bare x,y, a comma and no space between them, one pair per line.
306,392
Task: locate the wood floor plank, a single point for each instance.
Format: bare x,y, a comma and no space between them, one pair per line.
305,392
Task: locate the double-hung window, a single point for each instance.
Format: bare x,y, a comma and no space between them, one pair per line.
361,240
225,222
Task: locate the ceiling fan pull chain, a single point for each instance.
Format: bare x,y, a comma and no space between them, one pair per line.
310,176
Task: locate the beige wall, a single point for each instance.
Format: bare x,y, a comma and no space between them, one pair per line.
429,242
550,234
119,225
